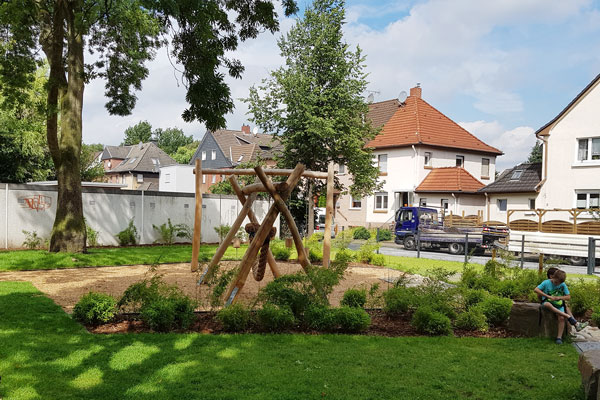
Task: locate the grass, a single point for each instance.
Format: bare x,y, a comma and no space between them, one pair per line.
45,355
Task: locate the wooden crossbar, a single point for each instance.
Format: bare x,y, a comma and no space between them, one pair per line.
268,171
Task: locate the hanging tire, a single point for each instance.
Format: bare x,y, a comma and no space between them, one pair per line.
456,248
577,260
409,243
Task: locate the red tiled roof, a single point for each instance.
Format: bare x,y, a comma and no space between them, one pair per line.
417,122
451,179
380,113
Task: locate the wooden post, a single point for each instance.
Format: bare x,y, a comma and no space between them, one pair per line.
493,254
328,216
197,216
260,237
280,204
238,191
230,235
575,213
541,264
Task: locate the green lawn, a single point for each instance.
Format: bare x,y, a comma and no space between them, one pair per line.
45,355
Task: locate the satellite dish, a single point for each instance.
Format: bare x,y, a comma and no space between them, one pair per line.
402,96
255,130
370,98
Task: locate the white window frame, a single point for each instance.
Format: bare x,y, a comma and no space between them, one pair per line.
445,204
384,202
167,178
499,204
213,154
214,179
203,178
341,169
382,165
423,202
352,205
588,199
589,156
516,175
427,158
140,178
484,173
462,161
203,156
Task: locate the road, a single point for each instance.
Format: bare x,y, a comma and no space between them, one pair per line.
531,262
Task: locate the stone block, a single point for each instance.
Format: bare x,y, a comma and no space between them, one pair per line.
525,320
589,366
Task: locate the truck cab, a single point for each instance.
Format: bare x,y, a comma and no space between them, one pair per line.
408,220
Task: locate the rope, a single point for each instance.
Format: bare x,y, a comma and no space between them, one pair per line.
260,263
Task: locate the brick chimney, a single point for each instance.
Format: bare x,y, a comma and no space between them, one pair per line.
246,129
416,91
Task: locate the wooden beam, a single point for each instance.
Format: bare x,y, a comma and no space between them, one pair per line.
541,264
238,191
259,187
230,235
280,204
328,216
268,171
260,236
197,217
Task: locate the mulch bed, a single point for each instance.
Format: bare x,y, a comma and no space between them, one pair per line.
381,325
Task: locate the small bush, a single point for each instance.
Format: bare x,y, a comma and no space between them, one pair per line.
144,292
273,318
316,237
384,234
282,292
472,320
320,318
32,240
585,295
430,322
469,277
95,308
280,252
342,240
596,316
361,233
91,236
378,259
167,313
344,257
397,301
367,251
129,235
496,309
222,231
168,232
354,298
472,297
234,318
315,255
351,319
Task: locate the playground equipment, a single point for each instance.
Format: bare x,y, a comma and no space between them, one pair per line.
262,232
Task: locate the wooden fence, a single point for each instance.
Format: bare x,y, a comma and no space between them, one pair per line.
555,225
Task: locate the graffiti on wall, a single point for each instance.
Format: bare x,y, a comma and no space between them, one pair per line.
36,202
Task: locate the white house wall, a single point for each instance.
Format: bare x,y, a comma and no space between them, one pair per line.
442,158
177,178
516,201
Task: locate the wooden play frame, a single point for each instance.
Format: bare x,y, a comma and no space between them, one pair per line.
246,195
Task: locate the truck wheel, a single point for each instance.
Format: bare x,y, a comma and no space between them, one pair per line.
409,243
577,260
456,248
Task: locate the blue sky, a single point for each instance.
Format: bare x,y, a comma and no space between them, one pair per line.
500,69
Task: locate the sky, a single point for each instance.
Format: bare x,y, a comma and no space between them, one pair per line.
501,69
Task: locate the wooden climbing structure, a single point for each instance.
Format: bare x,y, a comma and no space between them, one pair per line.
260,232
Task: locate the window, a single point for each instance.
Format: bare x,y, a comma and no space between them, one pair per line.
516,175
588,149
381,201
532,204
214,179
341,169
427,159
382,163
203,155
155,162
167,178
485,167
406,215
355,202
140,178
588,200
241,158
460,161
502,204
213,155
132,160
423,202
444,204
203,178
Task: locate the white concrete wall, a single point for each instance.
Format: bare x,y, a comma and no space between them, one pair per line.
177,178
565,174
110,210
471,204
515,201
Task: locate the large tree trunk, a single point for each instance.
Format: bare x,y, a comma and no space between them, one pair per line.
68,232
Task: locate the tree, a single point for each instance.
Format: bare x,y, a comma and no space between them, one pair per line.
184,154
315,102
91,169
171,139
140,132
123,35
535,156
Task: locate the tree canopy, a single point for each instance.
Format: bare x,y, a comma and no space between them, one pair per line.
535,156
140,132
168,139
123,35
315,103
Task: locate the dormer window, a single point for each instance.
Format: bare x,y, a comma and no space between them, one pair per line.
460,161
240,159
428,159
516,175
156,162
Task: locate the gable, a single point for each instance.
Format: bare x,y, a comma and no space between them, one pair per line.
209,144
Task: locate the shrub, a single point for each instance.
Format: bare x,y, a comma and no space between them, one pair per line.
168,232
354,298
273,318
473,297
129,235
222,231
32,240
234,318
496,309
469,276
361,233
343,257
280,252
378,259
320,318
430,322
367,251
281,292
167,313
397,301
342,240
315,255
585,295
144,292
91,236
384,234
351,319
472,320
596,316
95,308
316,238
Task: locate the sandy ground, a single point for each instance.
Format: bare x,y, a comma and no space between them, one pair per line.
66,286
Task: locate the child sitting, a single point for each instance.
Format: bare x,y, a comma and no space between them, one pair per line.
554,292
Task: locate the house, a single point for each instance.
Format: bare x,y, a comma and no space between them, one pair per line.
425,159
223,148
571,155
516,189
135,166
